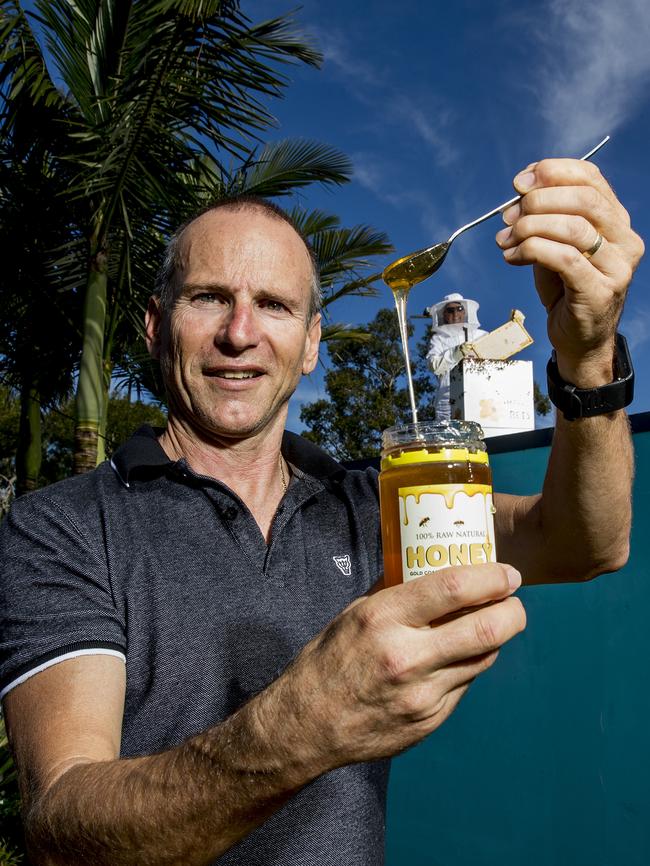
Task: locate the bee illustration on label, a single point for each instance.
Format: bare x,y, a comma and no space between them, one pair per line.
459,523
424,521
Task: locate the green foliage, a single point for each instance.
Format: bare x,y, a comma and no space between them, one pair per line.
9,854
9,421
123,418
7,770
542,402
39,318
11,841
366,390
284,166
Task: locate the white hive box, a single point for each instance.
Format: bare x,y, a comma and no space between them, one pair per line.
497,394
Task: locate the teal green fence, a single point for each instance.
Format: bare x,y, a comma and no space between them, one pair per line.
546,762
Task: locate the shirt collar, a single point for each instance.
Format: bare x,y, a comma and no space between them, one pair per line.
142,455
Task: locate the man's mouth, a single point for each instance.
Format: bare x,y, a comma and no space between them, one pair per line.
234,374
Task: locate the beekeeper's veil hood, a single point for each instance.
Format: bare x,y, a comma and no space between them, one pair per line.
471,310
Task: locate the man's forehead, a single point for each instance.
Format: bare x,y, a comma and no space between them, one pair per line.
248,226
244,246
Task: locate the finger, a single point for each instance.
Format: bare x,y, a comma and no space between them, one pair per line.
460,646
569,229
586,202
433,698
418,602
428,711
565,172
473,635
612,222
460,675
580,275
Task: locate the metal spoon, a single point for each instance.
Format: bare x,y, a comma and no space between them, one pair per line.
417,266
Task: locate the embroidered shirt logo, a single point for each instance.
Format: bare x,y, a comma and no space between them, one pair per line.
343,564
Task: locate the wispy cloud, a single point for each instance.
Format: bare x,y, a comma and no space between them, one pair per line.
636,325
358,72
370,84
371,173
378,175
596,68
407,113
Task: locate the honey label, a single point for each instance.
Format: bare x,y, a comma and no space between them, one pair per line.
445,524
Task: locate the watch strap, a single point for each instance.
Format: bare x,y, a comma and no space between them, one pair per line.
577,403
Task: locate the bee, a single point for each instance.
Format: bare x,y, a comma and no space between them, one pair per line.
424,521
459,523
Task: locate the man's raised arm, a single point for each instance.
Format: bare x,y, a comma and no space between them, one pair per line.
571,227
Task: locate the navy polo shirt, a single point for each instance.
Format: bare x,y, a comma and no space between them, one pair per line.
146,560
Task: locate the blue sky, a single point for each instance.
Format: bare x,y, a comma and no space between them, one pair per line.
440,105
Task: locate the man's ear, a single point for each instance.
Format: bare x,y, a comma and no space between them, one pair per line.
152,323
312,343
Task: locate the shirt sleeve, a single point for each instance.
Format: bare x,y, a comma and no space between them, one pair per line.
56,600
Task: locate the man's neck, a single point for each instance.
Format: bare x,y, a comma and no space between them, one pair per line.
253,467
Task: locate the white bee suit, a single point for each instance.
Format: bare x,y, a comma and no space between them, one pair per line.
444,349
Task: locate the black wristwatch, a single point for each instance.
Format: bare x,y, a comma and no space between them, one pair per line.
586,402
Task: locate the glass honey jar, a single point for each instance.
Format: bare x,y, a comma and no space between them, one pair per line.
435,492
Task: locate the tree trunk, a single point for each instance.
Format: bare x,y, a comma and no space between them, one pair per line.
29,452
107,370
90,388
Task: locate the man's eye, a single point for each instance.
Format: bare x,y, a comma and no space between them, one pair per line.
207,298
274,306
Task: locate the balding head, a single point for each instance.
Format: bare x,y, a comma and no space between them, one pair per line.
167,282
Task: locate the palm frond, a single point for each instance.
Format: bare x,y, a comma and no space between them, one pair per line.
339,331
25,81
314,221
284,166
361,287
347,249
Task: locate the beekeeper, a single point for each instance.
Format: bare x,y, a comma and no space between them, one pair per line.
455,322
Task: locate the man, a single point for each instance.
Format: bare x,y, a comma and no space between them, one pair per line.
264,688
455,322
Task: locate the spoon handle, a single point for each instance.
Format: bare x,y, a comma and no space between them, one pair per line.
507,204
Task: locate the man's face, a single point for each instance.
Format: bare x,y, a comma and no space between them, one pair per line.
453,313
238,338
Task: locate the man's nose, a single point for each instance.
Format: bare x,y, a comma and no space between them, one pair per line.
240,328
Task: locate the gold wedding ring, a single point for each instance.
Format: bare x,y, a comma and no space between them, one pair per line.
594,249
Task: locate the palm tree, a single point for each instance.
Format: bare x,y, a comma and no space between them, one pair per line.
39,325
39,320
154,94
